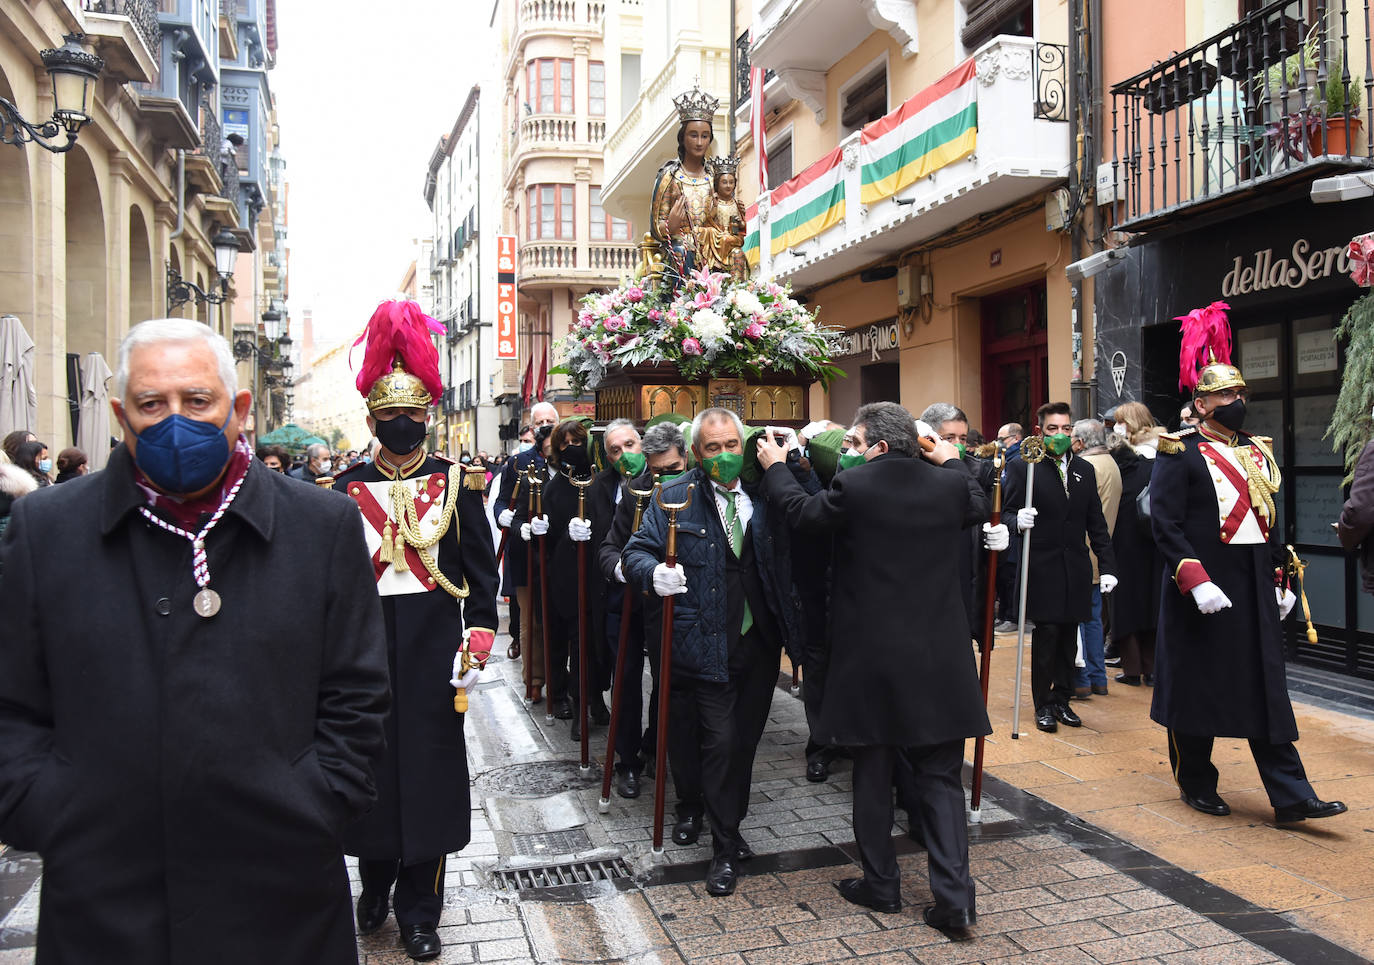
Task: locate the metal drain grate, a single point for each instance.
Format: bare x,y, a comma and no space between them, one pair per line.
556,875
548,843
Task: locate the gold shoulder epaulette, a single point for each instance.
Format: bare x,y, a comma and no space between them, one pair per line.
474,477
1267,440
1171,443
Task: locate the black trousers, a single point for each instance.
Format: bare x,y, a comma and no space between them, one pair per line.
563,656
1008,580
754,686
704,714
1053,646
1279,765
939,807
419,896
514,622
635,741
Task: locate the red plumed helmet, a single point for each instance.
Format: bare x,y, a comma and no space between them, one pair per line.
1206,342
400,363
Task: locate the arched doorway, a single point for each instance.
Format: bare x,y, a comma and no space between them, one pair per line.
87,279
16,230
140,269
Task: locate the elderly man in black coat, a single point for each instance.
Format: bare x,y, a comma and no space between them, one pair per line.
904,682
1064,511
184,770
1219,669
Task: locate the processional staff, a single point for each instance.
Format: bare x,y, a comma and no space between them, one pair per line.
993,449
665,666
1032,451
582,642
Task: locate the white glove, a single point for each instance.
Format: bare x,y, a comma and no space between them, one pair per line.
505,518
539,525
1025,518
925,429
1209,597
813,429
669,580
789,437
996,538
461,680
1287,599
619,572
525,532
580,530
1107,583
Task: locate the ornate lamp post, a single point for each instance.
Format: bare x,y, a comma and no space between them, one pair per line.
180,291
74,73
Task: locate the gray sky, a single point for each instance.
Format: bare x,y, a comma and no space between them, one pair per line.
364,90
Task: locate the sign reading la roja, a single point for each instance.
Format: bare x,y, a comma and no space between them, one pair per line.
1303,264
505,297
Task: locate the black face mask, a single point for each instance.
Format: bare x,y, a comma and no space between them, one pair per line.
401,435
1231,415
574,458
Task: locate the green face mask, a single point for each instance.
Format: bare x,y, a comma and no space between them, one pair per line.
723,467
667,477
849,459
1058,444
963,449
631,464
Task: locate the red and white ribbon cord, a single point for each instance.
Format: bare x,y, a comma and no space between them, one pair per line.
200,561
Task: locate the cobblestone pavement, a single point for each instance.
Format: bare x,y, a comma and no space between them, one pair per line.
1059,879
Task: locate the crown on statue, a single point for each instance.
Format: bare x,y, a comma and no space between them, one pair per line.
696,105
724,165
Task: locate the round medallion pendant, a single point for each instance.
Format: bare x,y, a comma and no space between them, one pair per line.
206,602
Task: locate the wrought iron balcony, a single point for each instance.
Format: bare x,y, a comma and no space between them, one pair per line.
1268,100
141,13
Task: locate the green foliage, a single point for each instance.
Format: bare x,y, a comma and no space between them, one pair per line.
1351,426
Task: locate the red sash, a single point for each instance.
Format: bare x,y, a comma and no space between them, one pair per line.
1241,483
377,518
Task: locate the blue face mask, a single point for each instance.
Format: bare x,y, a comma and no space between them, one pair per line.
45,466
525,447
181,455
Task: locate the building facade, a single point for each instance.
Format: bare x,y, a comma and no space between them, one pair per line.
556,67
93,240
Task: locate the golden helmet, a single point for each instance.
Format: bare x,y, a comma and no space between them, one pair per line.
1218,376
398,388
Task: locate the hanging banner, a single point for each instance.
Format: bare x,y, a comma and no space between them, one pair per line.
505,296
936,127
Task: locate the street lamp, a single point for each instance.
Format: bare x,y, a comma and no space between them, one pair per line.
74,73
278,345
180,291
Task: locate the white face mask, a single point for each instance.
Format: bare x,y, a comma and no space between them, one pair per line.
1120,429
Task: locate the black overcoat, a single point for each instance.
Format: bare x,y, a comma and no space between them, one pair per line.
514,562
423,802
1061,572
560,504
901,668
1219,674
1135,602
186,779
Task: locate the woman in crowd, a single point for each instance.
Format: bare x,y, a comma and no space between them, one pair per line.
32,457
1135,605
71,463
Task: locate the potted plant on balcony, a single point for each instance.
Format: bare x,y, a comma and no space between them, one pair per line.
1341,109
748,332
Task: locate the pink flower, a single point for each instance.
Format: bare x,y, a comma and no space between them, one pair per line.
703,299
775,289
1360,253
624,338
691,346
634,294
585,323
655,314
755,330
615,323
739,345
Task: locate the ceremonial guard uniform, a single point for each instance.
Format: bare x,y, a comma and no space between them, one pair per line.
438,592
1219,663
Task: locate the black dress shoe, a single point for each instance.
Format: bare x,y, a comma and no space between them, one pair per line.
372,912
817,770
627,784
600,715
954,922
1311,808
1129,679
721,877
856,891
563,708
1149,679
1044,720
687,830
1208,802
421,941
744,852
1067,717
1099,690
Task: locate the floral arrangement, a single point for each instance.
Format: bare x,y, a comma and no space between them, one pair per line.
1351,423
713,327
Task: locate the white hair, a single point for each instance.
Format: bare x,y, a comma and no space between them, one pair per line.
714,415
543,405
161,330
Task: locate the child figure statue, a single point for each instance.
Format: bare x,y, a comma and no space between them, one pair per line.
721,238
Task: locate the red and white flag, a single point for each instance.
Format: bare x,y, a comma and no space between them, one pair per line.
756,120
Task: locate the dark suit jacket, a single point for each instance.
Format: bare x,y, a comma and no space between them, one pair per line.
183,776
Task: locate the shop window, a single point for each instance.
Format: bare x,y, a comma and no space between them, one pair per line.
864,100
549,84
986,19
550,216
603,226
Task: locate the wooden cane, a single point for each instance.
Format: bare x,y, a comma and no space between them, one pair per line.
529,582
536,510
1032,451
618,687
505,533
975,813
582,631
665,667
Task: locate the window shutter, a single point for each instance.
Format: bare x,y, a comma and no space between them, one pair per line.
983,18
